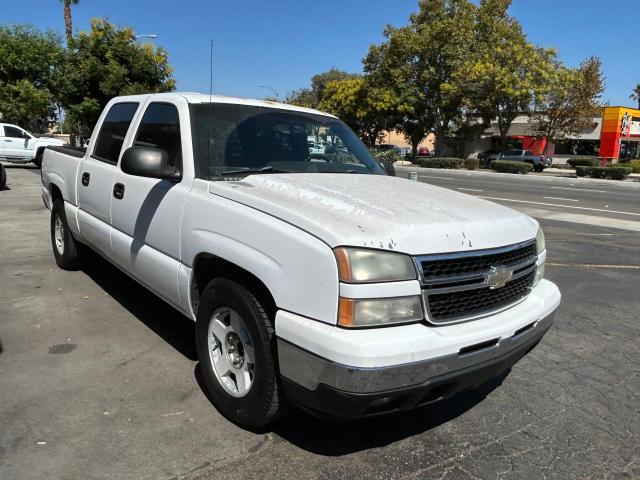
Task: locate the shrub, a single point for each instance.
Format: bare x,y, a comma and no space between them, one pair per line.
613,172
440,162
618,172
472,163
581,170
387,156
635,165
583,161
507,166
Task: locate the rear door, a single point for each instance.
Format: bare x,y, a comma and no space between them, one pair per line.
147,215
97,173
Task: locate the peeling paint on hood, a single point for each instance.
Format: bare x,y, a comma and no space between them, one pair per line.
383,212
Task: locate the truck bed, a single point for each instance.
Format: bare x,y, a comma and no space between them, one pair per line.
61,165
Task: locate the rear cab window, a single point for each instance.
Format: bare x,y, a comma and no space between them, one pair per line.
113,131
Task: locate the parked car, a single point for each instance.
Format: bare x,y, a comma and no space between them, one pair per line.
19,146
3,177
424,152
539,162
388,147
304,285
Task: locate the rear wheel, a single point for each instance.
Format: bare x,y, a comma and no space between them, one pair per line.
236,348
65,248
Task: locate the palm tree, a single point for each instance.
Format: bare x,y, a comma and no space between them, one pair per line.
67,17
636,94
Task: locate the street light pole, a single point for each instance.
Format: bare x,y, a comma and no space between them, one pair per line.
273,90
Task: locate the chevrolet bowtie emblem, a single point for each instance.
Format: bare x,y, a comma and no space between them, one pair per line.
498,277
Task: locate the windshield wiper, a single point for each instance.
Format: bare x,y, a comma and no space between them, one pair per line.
265,169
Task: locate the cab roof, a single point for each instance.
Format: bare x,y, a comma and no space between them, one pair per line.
192,97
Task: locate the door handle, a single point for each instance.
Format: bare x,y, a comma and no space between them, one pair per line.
86,176
7,140
118,191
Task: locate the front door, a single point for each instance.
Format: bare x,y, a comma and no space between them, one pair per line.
15,143
146,215
97,173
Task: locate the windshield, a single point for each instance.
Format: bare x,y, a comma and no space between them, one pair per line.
234,139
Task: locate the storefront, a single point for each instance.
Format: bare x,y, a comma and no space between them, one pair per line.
620,133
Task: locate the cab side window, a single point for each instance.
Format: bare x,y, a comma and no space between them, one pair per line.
114,129
160,128
13,132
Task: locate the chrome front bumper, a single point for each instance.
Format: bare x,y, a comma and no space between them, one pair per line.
328,388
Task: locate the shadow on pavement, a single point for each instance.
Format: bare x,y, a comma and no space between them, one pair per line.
335,438
299,428
173,327
340,438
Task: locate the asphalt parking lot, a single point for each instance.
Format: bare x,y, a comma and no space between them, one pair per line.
99,378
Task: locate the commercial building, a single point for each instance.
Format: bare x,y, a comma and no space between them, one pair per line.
613,136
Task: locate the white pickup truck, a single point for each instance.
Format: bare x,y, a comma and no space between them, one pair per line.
315,280
19,146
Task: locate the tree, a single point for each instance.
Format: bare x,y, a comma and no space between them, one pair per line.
106,62
368,110
29,65
67,18
504,74
311,97
636,94
417,60
572,101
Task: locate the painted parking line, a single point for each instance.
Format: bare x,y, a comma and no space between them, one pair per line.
560,205
433,176
592,265
562,199
580,189
469,189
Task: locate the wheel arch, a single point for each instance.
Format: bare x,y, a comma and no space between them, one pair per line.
56,193
207,266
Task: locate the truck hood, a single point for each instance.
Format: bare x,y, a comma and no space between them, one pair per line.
378,211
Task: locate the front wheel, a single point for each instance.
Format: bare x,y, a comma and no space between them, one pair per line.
38,160
65,248
3,177
236,348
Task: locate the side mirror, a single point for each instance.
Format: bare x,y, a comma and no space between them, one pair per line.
149,162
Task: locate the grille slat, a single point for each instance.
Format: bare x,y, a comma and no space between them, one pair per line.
455,286
475,264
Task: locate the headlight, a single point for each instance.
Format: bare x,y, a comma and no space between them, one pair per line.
541,245
356,265
379,312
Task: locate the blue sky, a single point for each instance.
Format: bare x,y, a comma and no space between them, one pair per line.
282,43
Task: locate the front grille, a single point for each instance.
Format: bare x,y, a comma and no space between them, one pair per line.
469,265
469,303
463,286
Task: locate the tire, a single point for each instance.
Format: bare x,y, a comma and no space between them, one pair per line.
38,160
66,249
263,402
538,169
3,177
